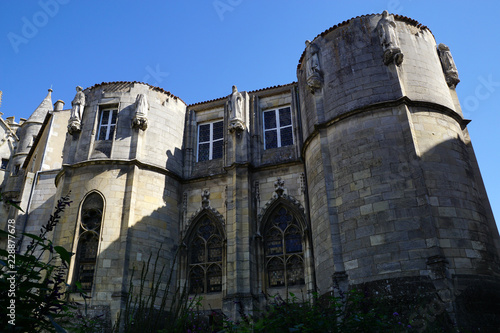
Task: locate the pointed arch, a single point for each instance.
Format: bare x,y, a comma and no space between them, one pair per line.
292,204
283,228
89,226
205,241
212,213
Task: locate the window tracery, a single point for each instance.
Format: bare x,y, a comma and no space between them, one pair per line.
88,240
284,250
205,258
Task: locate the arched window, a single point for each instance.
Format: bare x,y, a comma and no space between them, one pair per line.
205,258
88,240
283,250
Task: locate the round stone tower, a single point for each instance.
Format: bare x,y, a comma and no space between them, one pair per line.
122,166
395,194
27,132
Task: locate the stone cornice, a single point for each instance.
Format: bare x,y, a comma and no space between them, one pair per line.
251,167
110,161
432,107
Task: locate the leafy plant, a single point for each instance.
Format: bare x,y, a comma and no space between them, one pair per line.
346,313
147,311
32,283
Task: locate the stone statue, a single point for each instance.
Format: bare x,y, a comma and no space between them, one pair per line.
140,119
77,106
314,77
236,104
388,39
236,109
449,68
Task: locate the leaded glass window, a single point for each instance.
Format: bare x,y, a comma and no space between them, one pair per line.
210,141
205,258
278,128
283,249
88,240
107,124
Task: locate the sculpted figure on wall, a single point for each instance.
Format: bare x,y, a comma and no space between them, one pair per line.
449,68
140,119
77,106
236,104
236,109
389,40
314,77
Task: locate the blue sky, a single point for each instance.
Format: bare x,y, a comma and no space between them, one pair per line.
198,49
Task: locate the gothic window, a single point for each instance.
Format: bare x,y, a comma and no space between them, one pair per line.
107,124
88,240
205,258
283,249
278,128
17,168
5,162
210,141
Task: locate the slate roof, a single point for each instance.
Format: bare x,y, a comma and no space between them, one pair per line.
41,111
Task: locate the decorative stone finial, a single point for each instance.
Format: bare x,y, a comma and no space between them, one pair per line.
449,68
205,196
140,119
78,104
279,186
389,40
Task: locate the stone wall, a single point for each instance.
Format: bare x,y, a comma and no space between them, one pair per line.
381,177
394,188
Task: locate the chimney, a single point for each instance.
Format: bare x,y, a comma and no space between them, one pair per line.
58,106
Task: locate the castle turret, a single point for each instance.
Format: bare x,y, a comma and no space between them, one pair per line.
27,133
389,161
122,158
359,175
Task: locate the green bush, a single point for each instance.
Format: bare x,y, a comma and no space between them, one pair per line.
32,283
147,311
33,287
349,313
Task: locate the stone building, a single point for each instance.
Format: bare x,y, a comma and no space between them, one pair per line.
360,173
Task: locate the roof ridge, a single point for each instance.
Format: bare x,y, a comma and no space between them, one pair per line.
251,91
